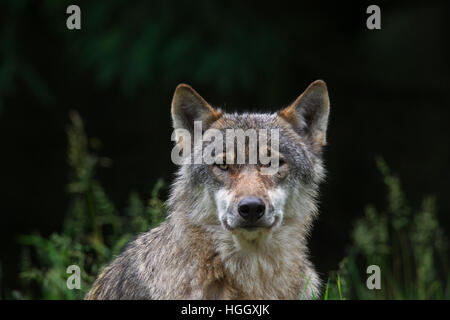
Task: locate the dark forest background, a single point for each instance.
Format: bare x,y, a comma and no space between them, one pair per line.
389,92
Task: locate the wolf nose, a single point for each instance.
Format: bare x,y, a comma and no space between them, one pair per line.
251,208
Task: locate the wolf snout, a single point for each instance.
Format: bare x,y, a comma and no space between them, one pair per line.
251,209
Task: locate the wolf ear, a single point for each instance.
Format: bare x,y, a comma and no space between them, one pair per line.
188,106
308,115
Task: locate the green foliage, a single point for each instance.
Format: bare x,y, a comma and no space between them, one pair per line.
94,231
408,245
136,45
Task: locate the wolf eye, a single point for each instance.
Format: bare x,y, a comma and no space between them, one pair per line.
223,166
281,162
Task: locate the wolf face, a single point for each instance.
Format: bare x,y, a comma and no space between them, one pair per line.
243,199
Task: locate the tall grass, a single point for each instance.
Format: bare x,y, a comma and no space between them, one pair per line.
407,244
94,231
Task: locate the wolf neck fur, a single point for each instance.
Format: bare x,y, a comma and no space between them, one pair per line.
275,268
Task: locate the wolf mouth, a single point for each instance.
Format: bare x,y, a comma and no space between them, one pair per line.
250,228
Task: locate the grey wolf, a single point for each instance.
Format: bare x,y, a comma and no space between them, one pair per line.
231,232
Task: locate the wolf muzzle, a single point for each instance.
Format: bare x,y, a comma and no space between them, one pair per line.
251,209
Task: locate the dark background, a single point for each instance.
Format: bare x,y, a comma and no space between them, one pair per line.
388,89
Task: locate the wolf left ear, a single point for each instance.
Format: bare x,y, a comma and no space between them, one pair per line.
308,115
188,106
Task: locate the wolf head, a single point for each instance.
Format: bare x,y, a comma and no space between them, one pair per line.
218,188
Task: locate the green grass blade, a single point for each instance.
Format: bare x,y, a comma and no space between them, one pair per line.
325,297
339,287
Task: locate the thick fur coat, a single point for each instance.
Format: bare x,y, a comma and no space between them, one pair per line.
203,250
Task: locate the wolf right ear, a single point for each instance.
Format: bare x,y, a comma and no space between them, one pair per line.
308,115
188,106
